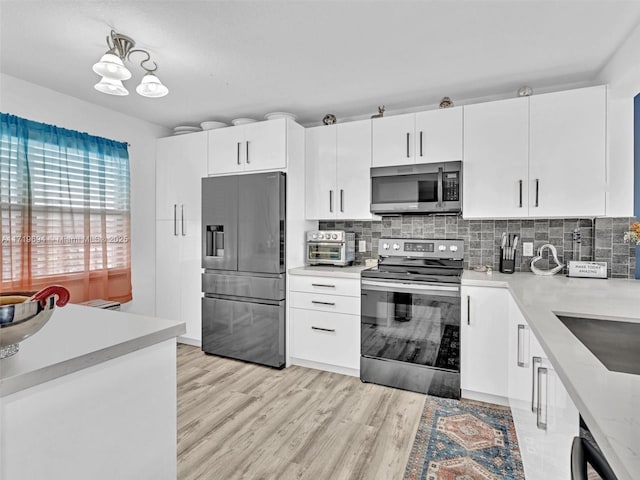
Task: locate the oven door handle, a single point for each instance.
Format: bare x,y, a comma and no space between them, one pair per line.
442,290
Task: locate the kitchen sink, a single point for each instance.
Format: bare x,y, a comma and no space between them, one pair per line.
616,344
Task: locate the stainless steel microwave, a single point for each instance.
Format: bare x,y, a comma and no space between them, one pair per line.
427,188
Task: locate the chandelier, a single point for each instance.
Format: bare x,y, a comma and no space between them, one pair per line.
113,71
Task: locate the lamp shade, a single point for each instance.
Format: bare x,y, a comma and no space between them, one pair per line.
111,87
110,66
151,86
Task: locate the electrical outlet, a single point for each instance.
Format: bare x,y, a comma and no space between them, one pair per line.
527,249
362,246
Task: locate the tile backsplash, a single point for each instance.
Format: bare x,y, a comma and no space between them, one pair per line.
601,238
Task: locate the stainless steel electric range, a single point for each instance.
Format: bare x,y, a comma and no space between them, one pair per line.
410,318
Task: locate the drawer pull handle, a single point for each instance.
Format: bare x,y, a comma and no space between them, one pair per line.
322,303
521,361
322,285
534,361
324,329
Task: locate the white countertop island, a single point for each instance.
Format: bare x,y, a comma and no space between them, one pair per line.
608,401
91,395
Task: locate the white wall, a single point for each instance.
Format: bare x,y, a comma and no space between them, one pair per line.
41,104
622,73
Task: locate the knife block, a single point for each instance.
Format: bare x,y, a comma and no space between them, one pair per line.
507,265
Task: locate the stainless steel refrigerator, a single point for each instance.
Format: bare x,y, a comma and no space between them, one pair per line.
243,254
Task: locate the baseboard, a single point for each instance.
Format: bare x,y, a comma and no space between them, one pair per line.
485,397
353,372
196,342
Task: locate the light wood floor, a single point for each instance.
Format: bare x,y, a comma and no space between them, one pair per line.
243,421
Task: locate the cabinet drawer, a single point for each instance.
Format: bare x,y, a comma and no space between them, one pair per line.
331,338
325,302
329,285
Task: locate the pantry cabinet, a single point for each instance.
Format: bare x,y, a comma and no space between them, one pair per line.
483,343
338,159
324,323
181,162
424,137
544,415
248,148
539,156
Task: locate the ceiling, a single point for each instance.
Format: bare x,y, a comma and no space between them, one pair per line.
223,59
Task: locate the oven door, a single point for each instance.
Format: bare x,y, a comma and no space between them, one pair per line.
411,323
325,252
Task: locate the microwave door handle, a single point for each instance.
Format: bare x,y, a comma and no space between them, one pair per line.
440,189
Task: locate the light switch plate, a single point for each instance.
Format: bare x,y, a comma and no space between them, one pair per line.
527,249
362,246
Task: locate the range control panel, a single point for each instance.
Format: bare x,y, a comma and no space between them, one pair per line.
422,248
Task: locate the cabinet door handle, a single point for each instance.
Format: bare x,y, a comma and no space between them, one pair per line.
408,145
182,219
468,309
537,192
341,200
324,285
323,329
323,303
534,360
520,357
247,160
238,153
539,423
175,219
520,195
420,142
331,201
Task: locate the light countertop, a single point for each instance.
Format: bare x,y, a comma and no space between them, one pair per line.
329,271
78,337
608,401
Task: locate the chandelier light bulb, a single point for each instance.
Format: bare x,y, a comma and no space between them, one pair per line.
151,86
111,66
111,87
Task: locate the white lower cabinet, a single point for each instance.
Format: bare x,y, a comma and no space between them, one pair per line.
483,344
324,323
544,415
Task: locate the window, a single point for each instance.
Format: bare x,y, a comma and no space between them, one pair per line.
64,201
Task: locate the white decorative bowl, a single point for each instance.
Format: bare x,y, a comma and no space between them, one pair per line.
278,115
212,125
243,121
186,129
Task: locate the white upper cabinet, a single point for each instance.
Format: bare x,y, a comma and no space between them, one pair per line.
425,137
393,140
540,156
438,135
567,168
181,162
253,147
353,175
496,156
338,159
320,172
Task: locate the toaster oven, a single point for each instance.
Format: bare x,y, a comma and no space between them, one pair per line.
330,247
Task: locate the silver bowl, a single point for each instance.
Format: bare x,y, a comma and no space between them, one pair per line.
19,321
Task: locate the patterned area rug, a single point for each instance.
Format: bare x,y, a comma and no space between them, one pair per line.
464,440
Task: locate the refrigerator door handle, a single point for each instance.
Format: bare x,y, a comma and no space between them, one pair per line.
247,159
175,219
184,232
